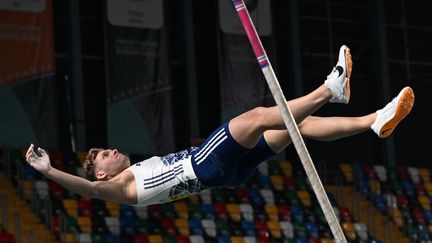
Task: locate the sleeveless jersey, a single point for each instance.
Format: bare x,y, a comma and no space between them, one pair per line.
165,179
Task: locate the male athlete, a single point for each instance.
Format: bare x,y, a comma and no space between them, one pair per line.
230,154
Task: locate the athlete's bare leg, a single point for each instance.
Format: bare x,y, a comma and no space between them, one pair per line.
322,129
247,128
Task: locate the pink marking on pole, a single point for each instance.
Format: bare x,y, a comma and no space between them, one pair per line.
250,30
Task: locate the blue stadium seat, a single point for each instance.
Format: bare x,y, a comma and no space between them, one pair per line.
313,230
223,239
207,211
297,213
408,187
195,227
248,228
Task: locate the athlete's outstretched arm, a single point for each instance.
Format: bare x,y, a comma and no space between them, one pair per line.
113,190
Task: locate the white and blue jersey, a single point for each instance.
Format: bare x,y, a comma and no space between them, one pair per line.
219,161
165,179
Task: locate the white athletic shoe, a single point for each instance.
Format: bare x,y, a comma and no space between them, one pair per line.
390,116
338,80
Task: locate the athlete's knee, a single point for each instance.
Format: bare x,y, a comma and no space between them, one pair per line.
258,116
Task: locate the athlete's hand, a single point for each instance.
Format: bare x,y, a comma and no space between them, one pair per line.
40,163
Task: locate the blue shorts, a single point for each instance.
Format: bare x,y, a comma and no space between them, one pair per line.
222,161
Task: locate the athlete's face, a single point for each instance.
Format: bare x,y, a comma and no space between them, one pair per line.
109,163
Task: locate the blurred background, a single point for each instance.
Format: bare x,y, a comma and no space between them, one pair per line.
157,76
150,77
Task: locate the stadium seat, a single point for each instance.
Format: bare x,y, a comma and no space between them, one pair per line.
84,207
182,226
113,225
249,239
414,174
242,195
300,230
326,240
301,182
292,198
247,212
368,171
181,209
272,212
284,212
196,239
82,238
169,238
178,239
195,226
206,197
418,216
313,230
408,188
255,197
113,208
263,169
208,211
305,198
263,239
236,239
234,212
289,183
349,230
297,213
42,189
169,226
347,172
248,228
428,188
374,185
223,239
194,211
277,182
419,188
391,201
169,211
265,182
261,228
275,229
209,227
112,238
287,229
424,233
221,211
217,195
154,211
286,168
402,201
402,173
424,202
268,196
141,212
85,224
424,175
428,215
381,173
379,202
141,226
155,239
127,226
361,231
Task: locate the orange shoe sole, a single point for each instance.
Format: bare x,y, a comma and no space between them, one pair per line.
404,106
349,63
